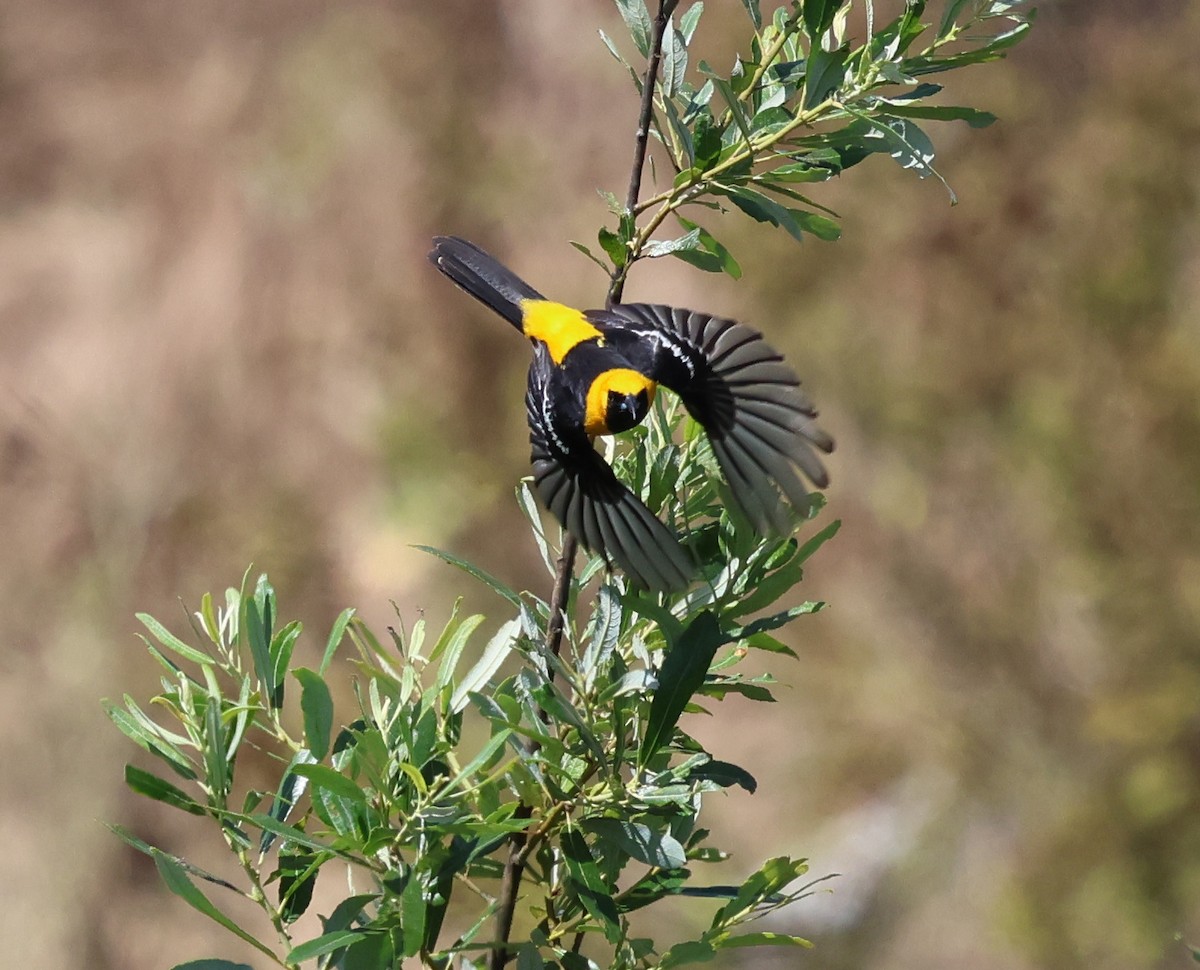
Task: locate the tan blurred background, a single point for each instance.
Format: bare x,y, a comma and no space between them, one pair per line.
220,343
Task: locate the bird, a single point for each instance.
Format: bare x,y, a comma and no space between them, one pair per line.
596,372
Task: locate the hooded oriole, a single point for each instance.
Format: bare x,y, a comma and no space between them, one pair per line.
595,372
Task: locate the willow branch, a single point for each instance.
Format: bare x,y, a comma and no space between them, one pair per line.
521,844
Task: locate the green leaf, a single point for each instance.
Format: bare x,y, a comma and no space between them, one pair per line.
257,632
297,879
651,888
659,849
326,943
689,21
282,645
347,911
595,894
335,637
373,951
818,18
707,139
146,849
605,632
795,221
282,830
797,172
674,62
216,764
950,16
316,703
143,732
776,621
529,507
291,787
176,879
919,66
332,781
826,70
637,20
484,757
906,143
412,916
172,642
712,257
815,543
145,783
972,116
665,247
729,942
450,650
752,8
590,255
613,245
683,670
212,965
725,774
494,654
488,580
758,888
689,951
612,48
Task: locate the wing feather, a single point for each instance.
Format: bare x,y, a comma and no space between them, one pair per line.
738,387
582,492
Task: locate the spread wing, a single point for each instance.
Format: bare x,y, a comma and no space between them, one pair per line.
760,424
582,492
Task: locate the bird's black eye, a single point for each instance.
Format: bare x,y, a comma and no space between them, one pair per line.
624,410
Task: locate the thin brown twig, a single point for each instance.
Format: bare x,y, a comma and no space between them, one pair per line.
642,137
514,865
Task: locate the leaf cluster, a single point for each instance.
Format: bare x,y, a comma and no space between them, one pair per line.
809,100
444,782
417,793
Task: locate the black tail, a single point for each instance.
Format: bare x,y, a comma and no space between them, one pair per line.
482,276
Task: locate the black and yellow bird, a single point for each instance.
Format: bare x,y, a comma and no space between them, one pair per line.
595,372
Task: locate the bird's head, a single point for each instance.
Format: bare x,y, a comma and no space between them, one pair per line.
618,400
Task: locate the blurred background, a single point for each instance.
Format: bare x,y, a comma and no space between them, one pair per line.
220,343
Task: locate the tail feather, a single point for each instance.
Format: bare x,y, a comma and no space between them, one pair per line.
483,276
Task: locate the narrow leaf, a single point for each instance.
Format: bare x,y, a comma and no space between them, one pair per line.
335,637
323,944
674,62
665,247
212,964
145,783
752,8
453,650
651,888
659,849
316,703
972,116
818,17
332,781
256,633
484,577
494,654
637,20
726,775
826,70
683,670
176,879
725,942
291,787
689,21
172,642
595,894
